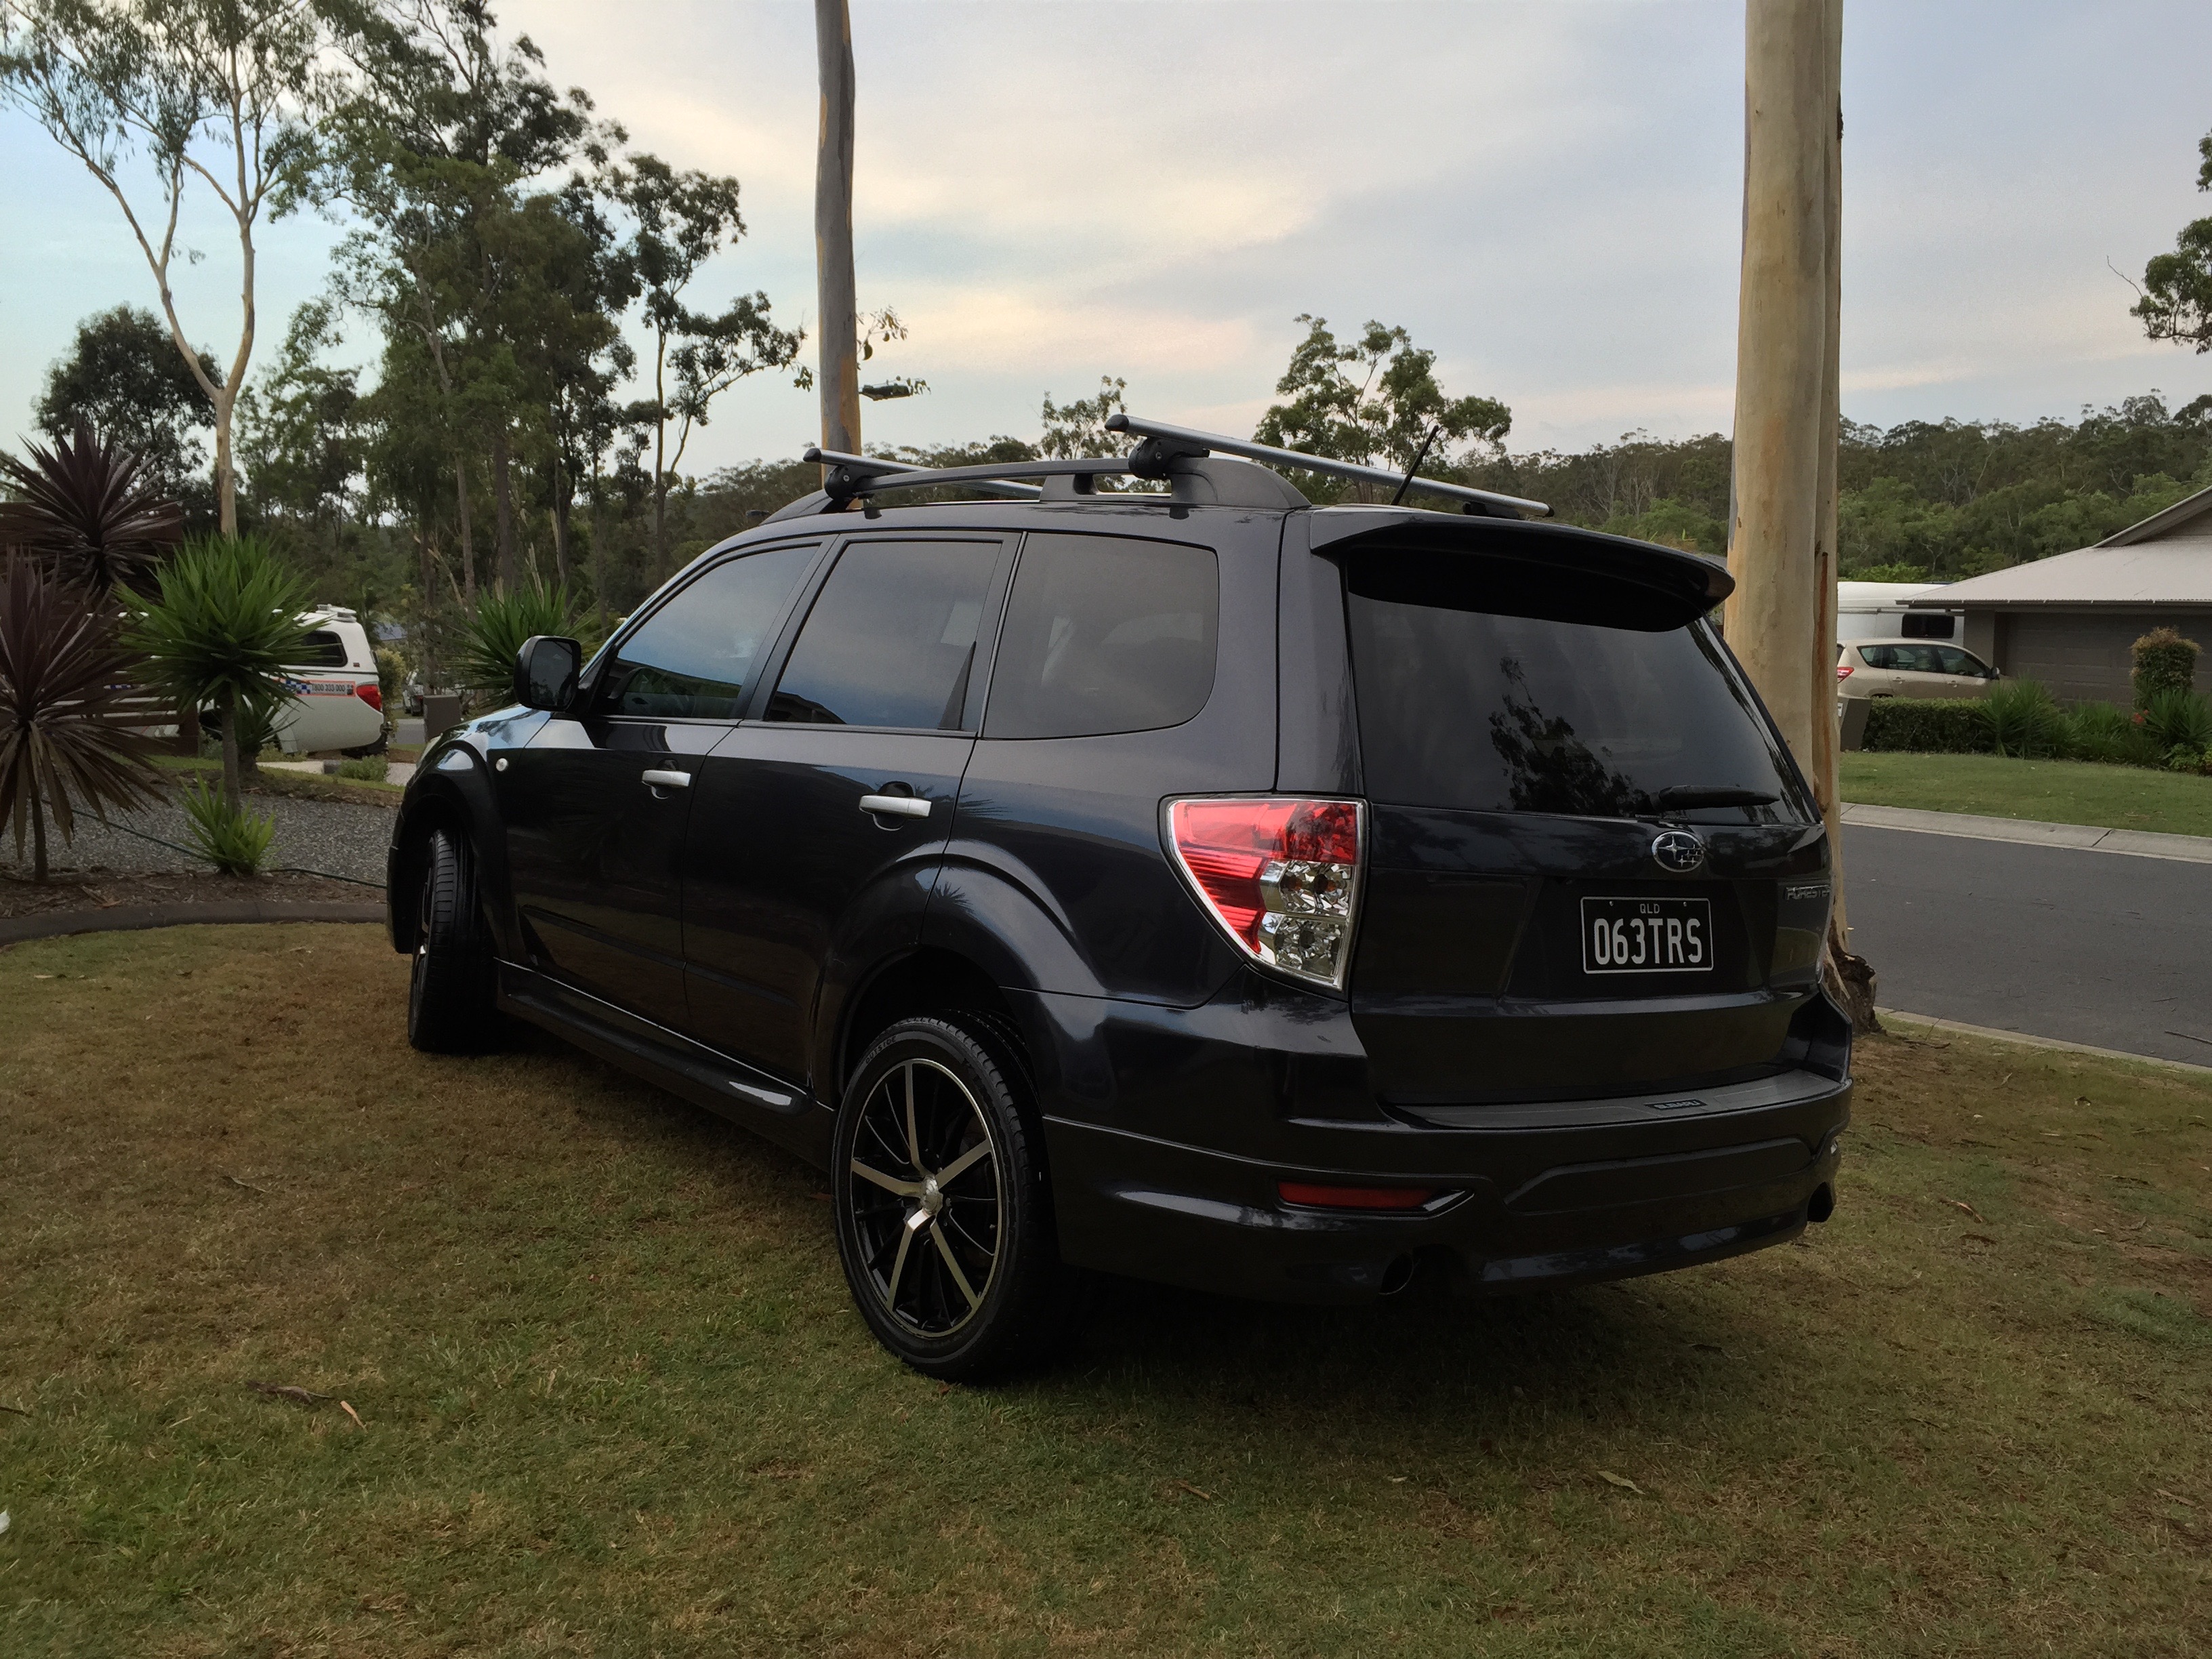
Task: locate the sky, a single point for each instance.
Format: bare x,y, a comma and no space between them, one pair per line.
1547,194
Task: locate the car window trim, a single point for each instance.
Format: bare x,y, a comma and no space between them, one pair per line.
589,683
986,626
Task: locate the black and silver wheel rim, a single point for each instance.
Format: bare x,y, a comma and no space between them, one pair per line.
924,1199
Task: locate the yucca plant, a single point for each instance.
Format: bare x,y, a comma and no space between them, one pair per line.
229,837
2179,720
218,633
87,514
2098,732
492,636
2023,719
65,743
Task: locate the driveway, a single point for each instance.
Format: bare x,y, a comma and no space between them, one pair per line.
2092,947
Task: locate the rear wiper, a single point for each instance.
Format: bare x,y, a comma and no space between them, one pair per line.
1694,794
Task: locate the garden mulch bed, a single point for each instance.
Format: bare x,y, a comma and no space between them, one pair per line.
99,889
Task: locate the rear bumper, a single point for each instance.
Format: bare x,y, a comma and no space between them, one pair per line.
1552,1194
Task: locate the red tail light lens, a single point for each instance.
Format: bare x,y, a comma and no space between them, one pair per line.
372,694
1843,670
1281,877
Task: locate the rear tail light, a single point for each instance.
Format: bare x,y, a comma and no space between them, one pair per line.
372,694
1281,877
1843,670
1353,1197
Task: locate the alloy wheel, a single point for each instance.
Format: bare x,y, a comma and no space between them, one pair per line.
925,1199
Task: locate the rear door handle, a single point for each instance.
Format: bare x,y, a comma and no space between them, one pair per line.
668,780
898,806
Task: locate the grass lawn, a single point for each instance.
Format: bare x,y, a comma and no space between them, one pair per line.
2053,792
304,786
612,1398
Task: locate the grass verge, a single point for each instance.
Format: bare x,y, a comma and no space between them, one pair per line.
612,1397
300,785
2050,792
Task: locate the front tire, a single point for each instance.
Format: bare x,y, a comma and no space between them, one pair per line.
944,1215
449,993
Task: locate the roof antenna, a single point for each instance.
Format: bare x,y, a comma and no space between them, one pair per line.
1420,455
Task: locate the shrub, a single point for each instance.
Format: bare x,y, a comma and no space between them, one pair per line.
63,742
226,622
2164,661
373,768
2023,720
502,621
2179,720
1928,726
2100,731
229,837
87,515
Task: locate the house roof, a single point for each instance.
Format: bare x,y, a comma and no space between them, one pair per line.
2165,559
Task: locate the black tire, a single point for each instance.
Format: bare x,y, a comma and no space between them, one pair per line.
449,994
960,1280
362,752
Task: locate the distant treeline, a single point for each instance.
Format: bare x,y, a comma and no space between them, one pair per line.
1939,499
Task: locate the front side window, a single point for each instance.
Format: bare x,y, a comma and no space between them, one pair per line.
1956,661
1105,634
892,638
695,658
1467,708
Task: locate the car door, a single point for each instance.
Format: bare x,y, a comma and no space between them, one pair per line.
1919,674
819,827
1965,674
596,805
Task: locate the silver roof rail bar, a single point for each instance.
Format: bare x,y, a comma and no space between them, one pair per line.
1184,441
863,475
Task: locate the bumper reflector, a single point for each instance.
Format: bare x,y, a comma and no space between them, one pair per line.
1353,1197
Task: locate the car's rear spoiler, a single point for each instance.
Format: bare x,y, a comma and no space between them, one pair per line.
1526,568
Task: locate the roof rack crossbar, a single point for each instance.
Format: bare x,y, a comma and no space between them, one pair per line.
1185,438
864,475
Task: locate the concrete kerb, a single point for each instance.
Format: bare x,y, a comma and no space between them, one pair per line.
131,918
2082,837
2021,1039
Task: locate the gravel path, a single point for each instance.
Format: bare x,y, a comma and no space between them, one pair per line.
328,837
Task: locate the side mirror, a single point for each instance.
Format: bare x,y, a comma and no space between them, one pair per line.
545,670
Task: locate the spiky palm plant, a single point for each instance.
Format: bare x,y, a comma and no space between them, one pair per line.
87,516
502,621
218,633
64,744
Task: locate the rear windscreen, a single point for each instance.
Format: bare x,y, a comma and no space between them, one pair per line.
1484,712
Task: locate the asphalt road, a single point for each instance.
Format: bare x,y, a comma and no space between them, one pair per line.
2086,946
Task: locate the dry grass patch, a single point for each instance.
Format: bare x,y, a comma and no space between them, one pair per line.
610,1398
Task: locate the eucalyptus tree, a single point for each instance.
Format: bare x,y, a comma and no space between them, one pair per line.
2177,287
1375,400
680,220
159,98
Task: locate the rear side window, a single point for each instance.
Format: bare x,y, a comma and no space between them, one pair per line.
694,657
323,649
1105,634
892,639
1466,708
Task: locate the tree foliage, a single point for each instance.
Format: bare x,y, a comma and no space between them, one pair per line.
125,378
2176,302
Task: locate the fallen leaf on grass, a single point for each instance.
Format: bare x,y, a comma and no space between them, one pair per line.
2172,1497
354,1414
1194,1492
290,1391
1961,1204
1620,1480
4,1520
248,1185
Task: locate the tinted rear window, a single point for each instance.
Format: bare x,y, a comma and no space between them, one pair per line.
1484,712
323,649
1105,634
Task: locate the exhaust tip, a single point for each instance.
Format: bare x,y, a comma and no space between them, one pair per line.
1822,1204
1397,1275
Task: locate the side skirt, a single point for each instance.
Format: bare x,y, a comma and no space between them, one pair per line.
747,1095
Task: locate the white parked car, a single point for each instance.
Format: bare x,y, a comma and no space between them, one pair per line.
337,701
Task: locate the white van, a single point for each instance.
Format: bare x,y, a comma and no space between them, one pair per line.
1875,610
337,702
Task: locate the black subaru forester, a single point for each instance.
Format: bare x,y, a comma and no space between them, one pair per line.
1199,886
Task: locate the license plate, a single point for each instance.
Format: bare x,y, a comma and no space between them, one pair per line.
1647,935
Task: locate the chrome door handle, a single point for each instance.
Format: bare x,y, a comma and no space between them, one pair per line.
898,806
668,780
